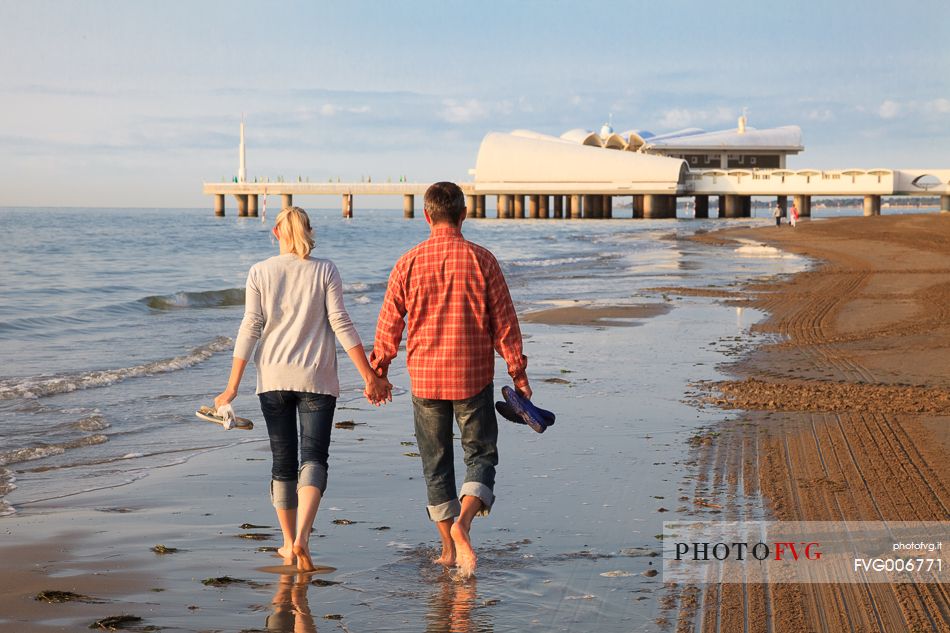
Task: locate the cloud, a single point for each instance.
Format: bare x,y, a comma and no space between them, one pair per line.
332,109
889,109
820,115
677,118
472,110
933,108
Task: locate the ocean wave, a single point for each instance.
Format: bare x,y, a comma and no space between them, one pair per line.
204,299
43,386
225,298
562,261
756,249
95,422
30,453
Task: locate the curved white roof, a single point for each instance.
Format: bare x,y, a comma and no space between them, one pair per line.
517,163
786,138
614,141
538,135
582,136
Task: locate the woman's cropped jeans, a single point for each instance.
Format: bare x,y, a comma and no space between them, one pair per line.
281,410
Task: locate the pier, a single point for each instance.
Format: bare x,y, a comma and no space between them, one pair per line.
733,189
536,176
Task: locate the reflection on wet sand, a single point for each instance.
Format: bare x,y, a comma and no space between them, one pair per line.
453,609
291,610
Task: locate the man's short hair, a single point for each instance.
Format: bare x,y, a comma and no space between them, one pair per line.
445,203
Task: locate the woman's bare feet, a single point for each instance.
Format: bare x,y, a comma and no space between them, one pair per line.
287,553
467,561
304,562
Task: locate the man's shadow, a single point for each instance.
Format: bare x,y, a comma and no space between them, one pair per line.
454,608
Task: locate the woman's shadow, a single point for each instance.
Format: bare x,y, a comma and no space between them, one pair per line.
291,609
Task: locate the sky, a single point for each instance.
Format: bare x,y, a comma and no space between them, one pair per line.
135,103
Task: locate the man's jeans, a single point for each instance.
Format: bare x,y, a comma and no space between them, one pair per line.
280,409
479,427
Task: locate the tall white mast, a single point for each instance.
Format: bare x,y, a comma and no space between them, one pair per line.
242,168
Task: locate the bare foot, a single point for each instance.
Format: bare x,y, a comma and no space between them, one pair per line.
287,553
304,563
467,561
448,556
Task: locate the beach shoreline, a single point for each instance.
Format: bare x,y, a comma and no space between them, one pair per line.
590,554
844,417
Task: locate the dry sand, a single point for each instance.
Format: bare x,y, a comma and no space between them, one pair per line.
848,416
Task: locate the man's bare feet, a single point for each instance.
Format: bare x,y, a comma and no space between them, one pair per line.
467,561
304,563
448,555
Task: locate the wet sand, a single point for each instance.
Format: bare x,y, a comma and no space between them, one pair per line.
847,416
586,314
569,545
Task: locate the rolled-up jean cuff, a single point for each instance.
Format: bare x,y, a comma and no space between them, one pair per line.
448,510
312,474
283,494
480,490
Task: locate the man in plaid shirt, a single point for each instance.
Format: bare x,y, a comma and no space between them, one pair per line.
453,296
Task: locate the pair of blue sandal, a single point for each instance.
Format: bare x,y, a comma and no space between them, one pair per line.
520,410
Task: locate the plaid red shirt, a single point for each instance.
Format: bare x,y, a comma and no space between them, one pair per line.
455,300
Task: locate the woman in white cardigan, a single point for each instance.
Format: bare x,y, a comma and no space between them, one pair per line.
293,316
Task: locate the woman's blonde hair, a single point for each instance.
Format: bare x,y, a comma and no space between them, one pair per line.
293,225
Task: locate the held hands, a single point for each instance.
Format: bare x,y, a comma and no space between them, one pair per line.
525,391
378,390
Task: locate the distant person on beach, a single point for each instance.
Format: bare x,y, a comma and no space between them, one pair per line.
293,311
793,215
454,299
777,213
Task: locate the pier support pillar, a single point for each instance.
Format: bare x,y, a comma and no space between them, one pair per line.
286,200
636,206
734,207
347,205
559,206
782,202
252,205
803,204
576,210
519,206
543,210
408,206
588,202
944,204
608,207
219,205
241,204
470,210
479,206
701,207
872,205
504,205
721,206
659,206
533,204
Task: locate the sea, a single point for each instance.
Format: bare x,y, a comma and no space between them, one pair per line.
116,324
